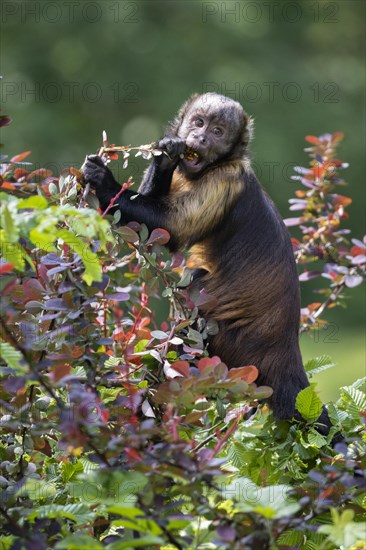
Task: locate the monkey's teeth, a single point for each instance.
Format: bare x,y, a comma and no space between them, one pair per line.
191,154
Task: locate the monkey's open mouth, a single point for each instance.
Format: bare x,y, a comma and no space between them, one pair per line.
191,155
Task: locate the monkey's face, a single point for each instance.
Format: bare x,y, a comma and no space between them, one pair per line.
211,128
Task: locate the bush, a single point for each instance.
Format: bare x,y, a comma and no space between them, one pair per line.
120,433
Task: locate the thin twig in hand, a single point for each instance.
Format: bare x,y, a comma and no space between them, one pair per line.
117,196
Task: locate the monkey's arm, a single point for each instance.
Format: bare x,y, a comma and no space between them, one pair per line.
157,178
133,206
189,216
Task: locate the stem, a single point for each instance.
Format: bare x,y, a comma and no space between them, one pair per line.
117,196
31,367
229,432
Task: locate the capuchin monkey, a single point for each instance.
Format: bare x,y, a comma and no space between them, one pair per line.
203,190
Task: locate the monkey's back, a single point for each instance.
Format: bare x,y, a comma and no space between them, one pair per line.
252,275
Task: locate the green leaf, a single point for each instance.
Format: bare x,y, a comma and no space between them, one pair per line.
93,269
318,364
137,523
79,542
357,396
88,466
6,542
12,251
109,487
70,470
38,489
37,203
270,502
353,401
290,538
316,439
12,357
9,224
344,532
43,239
308,404
78,512
147,541
360,382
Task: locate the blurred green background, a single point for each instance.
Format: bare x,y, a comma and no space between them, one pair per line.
72,69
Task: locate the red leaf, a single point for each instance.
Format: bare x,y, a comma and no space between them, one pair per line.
313,139
340,200
75,172
337,136
41,173
6,267
248,374
134,225
132,455
128,234
318,171
60,371
20,157
177,260
312,307
7,185
159,236
208,362
20,172
356,250
182,367
105,415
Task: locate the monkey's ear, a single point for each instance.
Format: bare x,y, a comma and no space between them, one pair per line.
174,126
241,147
249,130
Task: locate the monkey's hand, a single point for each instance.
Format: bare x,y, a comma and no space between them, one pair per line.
97,173
172,148
101,179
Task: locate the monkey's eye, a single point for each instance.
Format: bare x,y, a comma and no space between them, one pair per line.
217,131
199,122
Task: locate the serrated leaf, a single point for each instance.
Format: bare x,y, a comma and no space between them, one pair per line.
316,439
88,466
308,404
357,396
77,512
70,470
318,364
359,382
290,538
237,454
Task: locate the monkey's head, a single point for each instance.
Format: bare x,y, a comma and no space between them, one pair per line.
215,128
